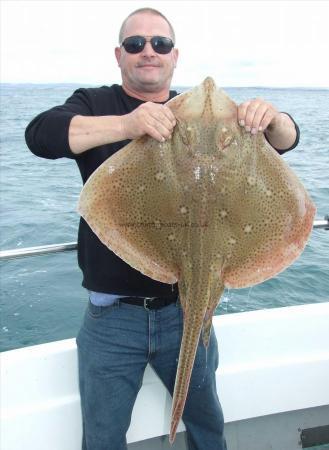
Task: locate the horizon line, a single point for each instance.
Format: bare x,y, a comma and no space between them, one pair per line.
173,86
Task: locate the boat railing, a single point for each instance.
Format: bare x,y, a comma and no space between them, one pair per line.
39,250
68,246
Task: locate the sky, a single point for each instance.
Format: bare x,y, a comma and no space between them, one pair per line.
238,43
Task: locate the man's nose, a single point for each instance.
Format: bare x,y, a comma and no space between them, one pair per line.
148,49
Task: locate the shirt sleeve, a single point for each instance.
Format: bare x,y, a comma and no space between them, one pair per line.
280,151
47,135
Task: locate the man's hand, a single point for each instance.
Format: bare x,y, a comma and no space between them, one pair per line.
256,115
261,116
149,118
86,132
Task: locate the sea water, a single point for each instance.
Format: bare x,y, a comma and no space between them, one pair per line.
41,297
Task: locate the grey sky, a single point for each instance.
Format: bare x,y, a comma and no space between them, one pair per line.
239,43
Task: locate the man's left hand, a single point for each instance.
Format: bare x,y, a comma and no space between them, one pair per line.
257,115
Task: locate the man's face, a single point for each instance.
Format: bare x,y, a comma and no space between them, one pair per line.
146,71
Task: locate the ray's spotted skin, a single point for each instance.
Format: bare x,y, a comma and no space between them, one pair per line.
212,207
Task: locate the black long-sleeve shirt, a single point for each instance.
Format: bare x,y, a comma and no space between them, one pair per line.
47,136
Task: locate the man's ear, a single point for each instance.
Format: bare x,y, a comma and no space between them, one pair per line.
176,53
117,52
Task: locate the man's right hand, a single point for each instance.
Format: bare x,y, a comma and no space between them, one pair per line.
86,132
153,119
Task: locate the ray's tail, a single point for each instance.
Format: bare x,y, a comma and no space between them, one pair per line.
193,321
197,317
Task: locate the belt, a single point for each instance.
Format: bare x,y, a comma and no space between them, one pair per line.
149,302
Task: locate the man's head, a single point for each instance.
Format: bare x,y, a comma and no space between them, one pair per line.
147,72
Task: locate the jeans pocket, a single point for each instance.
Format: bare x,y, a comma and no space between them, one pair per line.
95,311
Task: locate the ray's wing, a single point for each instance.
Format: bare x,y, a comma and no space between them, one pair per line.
123,204
262,214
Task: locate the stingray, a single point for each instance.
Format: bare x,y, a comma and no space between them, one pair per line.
210,208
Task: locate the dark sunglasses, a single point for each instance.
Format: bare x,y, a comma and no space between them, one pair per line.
136,44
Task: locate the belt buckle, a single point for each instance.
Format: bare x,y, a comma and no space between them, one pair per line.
146,300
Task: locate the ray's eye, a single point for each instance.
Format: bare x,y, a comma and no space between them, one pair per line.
225,138
187,133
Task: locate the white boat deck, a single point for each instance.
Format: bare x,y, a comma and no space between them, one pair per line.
272,362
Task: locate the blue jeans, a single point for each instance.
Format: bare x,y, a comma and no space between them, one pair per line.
115,344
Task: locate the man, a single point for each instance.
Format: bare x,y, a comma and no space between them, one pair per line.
132,320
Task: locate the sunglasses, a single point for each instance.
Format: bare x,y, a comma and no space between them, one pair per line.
136,44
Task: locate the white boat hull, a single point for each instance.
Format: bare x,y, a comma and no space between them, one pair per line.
272,380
